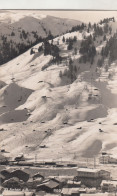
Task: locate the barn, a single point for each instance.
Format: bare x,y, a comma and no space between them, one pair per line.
20,174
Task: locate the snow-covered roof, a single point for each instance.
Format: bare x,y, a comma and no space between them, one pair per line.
95,194
73,182
16,193
51,184
88,170
69,191
49,194
13,193
113,182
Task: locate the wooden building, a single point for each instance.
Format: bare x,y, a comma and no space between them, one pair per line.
20,174
2,178
108,159
37,175
96,194
48,186
92,177
17,193
5,173
13,183
70,192
109,186
73,184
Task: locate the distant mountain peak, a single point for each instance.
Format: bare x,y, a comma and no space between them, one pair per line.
15,16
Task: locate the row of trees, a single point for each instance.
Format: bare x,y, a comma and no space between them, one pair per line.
87,50
110,50
26,35
100,62
78,28
50,49
11,49
107,20
69,72
100,31
70,42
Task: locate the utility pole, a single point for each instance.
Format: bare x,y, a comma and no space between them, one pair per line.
94,162
35,158
87,162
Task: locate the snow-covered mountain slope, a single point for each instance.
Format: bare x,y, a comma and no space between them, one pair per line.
24,29
41,108
28,21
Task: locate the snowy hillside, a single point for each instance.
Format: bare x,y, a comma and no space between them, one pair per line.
39,108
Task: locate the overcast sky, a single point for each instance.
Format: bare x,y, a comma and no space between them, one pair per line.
58,4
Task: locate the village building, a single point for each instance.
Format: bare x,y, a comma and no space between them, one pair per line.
17,193
107,159
92,177
91,190
13,183
113,159
109,186
20,157
2,178
38,175
35,180
12,193
62,180
42,193
49,194
73,184
32,184
72,191
96,194
105,175
53,179
45,188
48,186
20,174
104,159
5,173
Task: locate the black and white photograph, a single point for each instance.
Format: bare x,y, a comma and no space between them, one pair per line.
58,98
